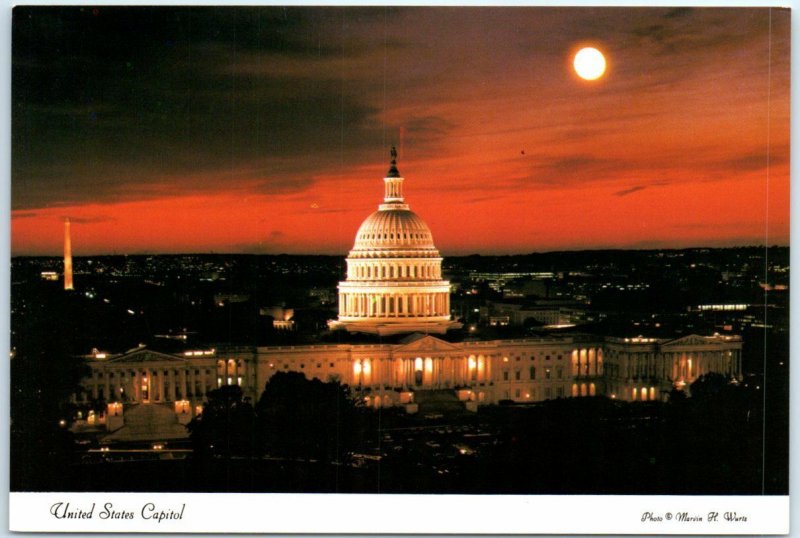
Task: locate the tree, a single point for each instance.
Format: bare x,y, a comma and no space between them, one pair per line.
305,419
708,386
44,374
226,425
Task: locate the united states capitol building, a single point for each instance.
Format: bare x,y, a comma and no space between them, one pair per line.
394,288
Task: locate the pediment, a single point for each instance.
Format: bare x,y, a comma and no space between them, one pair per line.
427,343
147,355
689,340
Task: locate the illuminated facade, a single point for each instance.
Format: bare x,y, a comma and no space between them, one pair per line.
394,272
477,372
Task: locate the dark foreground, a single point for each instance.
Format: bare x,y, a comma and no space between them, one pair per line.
706,445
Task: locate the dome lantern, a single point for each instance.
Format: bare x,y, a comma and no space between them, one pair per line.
393,186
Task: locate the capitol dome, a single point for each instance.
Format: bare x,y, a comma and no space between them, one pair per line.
394,272
388,232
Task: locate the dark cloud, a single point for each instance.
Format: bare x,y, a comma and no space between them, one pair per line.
757,160
24,214
631,190
570,170
637,188
139,96
88,220
687,30
678,12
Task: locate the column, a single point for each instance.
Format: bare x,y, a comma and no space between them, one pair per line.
184,392
192,382
148,374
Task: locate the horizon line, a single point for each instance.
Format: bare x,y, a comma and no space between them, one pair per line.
229,253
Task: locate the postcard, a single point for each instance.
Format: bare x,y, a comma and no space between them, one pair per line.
400,269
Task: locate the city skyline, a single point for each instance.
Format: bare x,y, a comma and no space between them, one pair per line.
253,130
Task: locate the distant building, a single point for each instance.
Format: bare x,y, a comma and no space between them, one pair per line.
51,276
222,299
281,317
557,313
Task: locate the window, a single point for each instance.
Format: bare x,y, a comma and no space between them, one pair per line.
548,393
560,392
547,373
285,366
517,375
559,357
331,365
547,357
559,372
505,376
533,372
516,393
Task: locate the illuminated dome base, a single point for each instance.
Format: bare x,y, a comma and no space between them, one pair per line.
388,327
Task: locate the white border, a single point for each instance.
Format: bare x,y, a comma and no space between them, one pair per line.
372,514
403,514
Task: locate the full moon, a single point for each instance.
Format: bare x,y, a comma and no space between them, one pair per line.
589,63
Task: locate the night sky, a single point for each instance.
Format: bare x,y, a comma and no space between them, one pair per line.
267,130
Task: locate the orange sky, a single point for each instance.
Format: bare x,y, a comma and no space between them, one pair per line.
274,137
